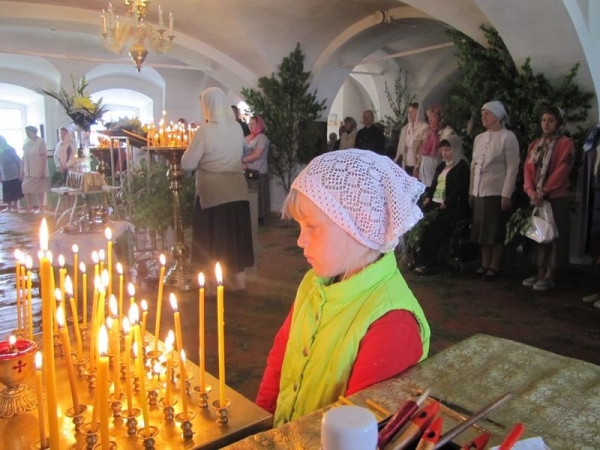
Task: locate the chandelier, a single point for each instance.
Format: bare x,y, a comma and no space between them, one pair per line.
119,31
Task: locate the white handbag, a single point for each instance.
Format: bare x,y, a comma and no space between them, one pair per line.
542,228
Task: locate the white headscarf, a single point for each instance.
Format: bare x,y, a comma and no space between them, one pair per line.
216,108
496,108
457,149
365,194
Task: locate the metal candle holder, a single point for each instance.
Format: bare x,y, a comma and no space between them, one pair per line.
91,435
222,415
203,395
116,405
149,440
186,424
16,363
77,416
132,421
81,365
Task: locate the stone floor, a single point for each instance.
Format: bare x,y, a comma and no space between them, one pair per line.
457,305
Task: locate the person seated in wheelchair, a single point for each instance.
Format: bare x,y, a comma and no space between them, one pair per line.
444,203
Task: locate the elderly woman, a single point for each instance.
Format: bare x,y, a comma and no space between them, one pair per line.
34,170
65,153
221,228
256,151
411,139
10,168
546,177
449,195
494,169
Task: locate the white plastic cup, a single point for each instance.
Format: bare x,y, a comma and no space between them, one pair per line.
349,428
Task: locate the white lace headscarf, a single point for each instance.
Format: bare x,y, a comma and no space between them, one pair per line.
216,108
365,194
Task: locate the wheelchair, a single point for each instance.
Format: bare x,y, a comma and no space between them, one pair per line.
458,250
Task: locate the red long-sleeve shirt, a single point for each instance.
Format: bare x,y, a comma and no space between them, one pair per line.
556,184
391,345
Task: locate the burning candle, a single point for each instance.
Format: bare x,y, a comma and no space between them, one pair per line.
18,281
48,336
95,260
183,375
29,264
75,249
144,306
177,320
84,298
75,316
202,331
102,391
121,310
64,337
101,258
128,390
169,349
163,261
23,292
97,288
134,316
114,330
109,252
62,273
40,399
131,291
221,334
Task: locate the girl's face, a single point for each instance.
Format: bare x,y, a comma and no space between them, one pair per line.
447,153
327,248
252,125
412,114
549,123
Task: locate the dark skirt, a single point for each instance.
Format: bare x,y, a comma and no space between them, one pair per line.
222,234
264,194
555,255
489,221
11,190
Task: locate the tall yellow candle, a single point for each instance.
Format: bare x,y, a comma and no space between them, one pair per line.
141,373
115,344
109,252
131,291
177,320
144,306
97,287
169,349
221,334
40,399
75,249
201,314
102,390
161,278
101,258
121,310
62,273
64,337
48,337
95,260
182,389
29,263
128,383
84,298
18,286
74,315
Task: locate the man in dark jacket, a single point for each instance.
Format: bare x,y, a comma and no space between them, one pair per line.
370,137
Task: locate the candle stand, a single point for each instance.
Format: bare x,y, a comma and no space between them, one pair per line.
178,277
132,421
186,424
77,416
222,415
149,439
16,363
203,395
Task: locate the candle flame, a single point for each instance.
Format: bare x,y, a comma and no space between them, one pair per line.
75,248
144,305
201,280
12,340
134,314
38,360
101,254
61,260
103,341
113,306
69,285
131,289
219,274
82,267
58,295
134,347
105,278
120,268
49,256
126,326
108,234
173,301
60,317
169,341
162,259
98,283
182,356
157,368
29,262
22,258
17,254
109,321
44,235
95,257
41,254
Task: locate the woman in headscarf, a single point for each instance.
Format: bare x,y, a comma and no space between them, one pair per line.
65,153
34,170
255,156
494,169
429,156
221,229
10,169
449,196
546,178
411,139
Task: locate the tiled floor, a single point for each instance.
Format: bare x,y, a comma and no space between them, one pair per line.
457,305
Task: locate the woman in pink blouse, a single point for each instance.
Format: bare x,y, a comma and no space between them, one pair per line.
546,174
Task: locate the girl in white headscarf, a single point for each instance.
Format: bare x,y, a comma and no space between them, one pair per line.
494,169
354,318
221,229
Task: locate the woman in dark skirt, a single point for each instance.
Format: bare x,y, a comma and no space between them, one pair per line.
10,168
221,230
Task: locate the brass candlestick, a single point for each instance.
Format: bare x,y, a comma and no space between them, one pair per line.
149,439
16,363
186,424
203,395
222,415
132,421
178,277
77,416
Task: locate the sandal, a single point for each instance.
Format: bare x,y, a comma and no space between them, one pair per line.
422,270
481,271
490,275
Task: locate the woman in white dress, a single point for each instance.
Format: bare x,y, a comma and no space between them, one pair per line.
411,139
34,170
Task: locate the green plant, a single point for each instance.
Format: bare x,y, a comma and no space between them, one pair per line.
413,237
518,224
398,102
288,109
125,123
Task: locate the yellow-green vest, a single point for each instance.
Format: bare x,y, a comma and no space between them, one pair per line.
328,323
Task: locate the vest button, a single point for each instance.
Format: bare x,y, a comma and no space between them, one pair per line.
295,387
305,351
